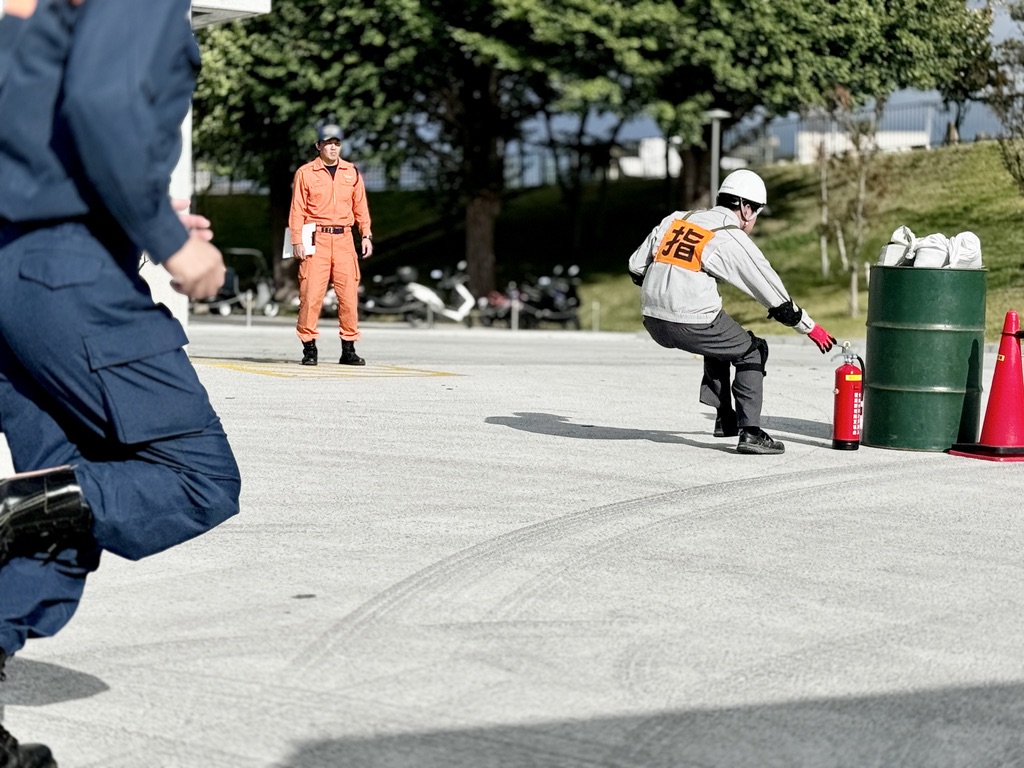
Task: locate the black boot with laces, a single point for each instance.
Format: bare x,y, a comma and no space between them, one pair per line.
15,755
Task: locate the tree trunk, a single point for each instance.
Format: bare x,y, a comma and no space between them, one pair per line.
823,196
481,215
483,173
696,177
286,273
854,291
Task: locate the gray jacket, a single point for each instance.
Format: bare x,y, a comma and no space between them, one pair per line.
682,259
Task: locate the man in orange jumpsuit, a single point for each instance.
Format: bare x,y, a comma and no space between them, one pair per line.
329,193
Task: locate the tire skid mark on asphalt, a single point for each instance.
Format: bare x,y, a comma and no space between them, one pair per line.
261,704
663,734
286,370
775,672
480,567
139,745
514,603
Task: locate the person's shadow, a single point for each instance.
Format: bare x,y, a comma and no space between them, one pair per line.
38,684
560,426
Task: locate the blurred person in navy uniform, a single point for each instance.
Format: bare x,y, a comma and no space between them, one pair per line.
111,433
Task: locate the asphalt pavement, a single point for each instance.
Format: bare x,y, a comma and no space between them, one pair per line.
497,549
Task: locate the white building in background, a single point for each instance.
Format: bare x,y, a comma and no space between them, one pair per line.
651,159
204,13
809,143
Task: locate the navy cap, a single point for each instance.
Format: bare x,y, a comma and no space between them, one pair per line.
329,131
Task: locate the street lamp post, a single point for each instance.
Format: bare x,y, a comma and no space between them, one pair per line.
715,116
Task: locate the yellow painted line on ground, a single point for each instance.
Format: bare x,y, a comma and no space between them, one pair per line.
286,370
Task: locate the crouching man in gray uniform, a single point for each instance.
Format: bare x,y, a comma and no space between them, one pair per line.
679,266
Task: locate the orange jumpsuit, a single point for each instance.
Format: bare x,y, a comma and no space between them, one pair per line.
330,203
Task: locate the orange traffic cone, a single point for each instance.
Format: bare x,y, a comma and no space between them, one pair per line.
1002,435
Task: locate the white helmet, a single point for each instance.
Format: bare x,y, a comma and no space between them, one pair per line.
745,185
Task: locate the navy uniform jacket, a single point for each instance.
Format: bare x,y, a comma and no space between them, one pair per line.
104,152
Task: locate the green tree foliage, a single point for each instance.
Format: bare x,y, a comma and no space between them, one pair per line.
1007,98
976,70
778,56
449,84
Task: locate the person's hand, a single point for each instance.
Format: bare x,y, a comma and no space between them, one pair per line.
298,251
822,338
367,247
197,268
194,223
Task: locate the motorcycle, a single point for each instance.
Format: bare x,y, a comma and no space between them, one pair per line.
393,296
235,293
547,299
498,307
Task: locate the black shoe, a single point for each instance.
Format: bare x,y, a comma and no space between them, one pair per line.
756,440
309,352
43,513
348,354
725,424
15,755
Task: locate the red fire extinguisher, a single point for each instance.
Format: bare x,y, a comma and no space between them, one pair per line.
848,413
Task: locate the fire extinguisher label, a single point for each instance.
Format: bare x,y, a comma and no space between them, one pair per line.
853,377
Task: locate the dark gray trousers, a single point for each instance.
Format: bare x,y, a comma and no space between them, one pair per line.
723,343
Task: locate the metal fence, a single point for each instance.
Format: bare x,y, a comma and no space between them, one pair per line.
916,125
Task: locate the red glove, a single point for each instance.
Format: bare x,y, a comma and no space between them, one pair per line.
822,338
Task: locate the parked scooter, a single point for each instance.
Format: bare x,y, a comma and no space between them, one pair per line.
393,296
451,299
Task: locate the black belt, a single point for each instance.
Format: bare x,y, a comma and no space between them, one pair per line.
332,230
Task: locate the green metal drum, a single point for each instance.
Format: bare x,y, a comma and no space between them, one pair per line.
924,357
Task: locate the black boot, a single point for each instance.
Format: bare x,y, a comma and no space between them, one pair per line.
348,354
15,755
309,352
725,423
756,440
43,513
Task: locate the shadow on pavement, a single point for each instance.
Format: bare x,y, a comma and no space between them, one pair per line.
559,426
38,684
804,427
975,726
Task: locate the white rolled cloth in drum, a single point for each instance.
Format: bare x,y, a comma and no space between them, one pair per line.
964,251
931,251
895,252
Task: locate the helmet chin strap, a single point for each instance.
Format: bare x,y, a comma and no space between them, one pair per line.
747,221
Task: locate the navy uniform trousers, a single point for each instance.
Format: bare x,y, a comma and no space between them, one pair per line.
93,374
